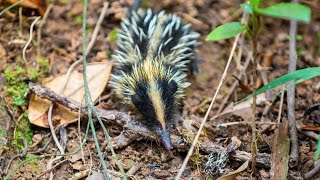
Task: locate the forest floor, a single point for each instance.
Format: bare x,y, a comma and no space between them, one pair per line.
61,46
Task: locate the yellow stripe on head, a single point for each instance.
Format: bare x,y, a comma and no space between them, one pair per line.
155,96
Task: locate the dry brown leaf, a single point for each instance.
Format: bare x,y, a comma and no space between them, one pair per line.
97,74
33,4
234,174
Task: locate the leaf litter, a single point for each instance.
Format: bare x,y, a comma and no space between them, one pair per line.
98,75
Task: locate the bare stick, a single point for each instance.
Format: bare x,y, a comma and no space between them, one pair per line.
280,106
294,154
310,134
29,41
79,131
224,125
52,130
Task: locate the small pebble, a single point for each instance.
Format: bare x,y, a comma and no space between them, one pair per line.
127,164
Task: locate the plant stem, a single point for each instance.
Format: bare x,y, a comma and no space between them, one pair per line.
255,28
86,87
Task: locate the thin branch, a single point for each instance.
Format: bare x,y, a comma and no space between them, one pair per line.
224,125
294,154
310,134
54,136
280,106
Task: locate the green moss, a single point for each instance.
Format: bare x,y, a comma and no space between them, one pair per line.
113,35
43,64
16,85
23,129
78,19
15,90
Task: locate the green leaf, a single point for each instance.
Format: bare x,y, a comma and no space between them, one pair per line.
299,76
292,11
225,31
255,3
246,8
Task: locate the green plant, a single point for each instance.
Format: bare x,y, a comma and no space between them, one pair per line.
113,35
292,11
23,130
17,77
15,90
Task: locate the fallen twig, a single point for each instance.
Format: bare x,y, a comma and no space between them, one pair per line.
224,125
310,134
280,107
134,130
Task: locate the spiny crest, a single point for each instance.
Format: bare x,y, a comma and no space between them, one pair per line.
146,35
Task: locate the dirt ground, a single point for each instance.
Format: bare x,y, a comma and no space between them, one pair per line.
61,46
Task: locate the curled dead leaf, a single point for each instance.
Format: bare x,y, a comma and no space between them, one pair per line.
97,74
234,174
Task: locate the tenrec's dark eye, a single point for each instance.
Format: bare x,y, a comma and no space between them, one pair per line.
173,87
135,99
